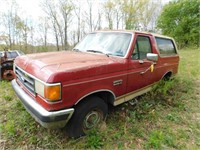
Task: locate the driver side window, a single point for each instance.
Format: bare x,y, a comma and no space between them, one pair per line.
142,47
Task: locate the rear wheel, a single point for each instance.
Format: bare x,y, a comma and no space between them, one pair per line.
88,115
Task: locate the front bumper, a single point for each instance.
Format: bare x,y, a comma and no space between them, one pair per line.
48,119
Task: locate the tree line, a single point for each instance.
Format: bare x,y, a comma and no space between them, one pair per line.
181,20
65,22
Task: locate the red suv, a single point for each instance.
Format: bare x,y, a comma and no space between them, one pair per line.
74,88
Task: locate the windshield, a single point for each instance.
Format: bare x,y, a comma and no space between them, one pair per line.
108,43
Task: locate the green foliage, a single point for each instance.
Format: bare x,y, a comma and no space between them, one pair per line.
155,140
7,97
163,87
94,140
10,129
132,11
180,19
158,139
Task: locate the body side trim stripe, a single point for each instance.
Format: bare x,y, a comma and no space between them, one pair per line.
131,95
133,72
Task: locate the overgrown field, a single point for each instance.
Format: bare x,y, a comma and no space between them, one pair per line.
166,118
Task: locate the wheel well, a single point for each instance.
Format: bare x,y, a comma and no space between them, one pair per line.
167,76
108,97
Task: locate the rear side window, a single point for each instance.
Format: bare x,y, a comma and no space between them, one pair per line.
165,46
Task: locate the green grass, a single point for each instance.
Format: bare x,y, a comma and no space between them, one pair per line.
166,118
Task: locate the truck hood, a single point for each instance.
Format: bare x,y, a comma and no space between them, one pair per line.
68,65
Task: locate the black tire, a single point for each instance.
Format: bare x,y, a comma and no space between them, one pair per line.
87,116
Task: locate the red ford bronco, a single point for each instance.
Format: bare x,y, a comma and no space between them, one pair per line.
72,89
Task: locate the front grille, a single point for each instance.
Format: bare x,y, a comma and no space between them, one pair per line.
25,79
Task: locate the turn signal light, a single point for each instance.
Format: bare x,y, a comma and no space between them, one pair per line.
52,93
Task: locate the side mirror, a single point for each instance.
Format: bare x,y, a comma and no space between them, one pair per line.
152,57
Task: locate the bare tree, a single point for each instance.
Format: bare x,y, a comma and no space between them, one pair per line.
131,9
93,17
155,15
60,14
50,9
114,13
89,16
99,21
77,11
148,13
9,18
109,13
43,30
118,12
66,8
22,30
17,29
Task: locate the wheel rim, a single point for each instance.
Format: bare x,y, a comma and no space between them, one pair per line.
92,119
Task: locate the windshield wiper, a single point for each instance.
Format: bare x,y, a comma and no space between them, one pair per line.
76,50
96,51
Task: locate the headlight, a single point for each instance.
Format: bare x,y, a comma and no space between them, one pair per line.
39,88
51,92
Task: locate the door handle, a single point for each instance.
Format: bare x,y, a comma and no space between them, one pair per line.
151,68
141,61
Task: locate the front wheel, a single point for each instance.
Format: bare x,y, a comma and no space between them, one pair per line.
88,115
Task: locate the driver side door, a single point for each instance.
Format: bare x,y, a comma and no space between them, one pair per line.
139,74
